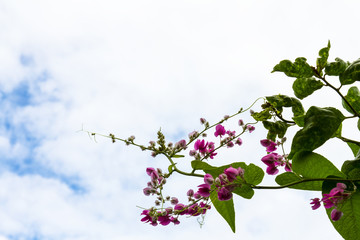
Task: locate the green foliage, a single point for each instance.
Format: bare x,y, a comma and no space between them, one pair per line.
336,68
321,62
225,209
304,87
349,224
351,73
277,128
300,68
320,125
353,97
308,165
354,148
252,174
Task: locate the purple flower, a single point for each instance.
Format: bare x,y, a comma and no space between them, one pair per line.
147,191
164,220
241,122
315,203
208,179
231,173
204,190
220,130
201,146
238,141
336,214
181,208
181,144
174,201
230,144
152,173
224,194
250,128
190,193
270,145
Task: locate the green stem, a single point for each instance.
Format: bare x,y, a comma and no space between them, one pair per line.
349,140
338,92
304,180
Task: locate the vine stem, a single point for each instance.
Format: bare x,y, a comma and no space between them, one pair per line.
338,92
302,181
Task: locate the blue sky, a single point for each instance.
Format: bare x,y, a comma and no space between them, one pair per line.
131,67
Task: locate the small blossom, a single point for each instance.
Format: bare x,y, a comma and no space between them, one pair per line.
241,122
336,214
315,203
174,201
250,128
190,193
231,173
202,120
224,194
193,134
181,144
270,145
192,153
201,146
204,190
238,141
230,144
220,130
226,117
147,191
208,179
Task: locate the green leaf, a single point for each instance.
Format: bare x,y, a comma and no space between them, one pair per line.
351,73
336,68
290,177
300,68
349,224
313,165
322,60
263,115
280,101
304,87
308,165
354,148
320,125
199,165
353,97
253,175
225,209
351,168
277,128
338,132
244,191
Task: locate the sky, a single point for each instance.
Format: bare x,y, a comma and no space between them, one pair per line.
131,68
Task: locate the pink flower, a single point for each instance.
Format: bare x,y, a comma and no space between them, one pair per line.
336,214
204,190
208,179
220,130
224,194
231,173
201,146
270,145
250,128
316,203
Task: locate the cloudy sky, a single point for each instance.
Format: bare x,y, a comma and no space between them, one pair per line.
131,67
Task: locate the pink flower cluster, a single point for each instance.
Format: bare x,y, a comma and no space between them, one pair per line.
171,215
272,159
202,148
336,197
224,184
164,216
